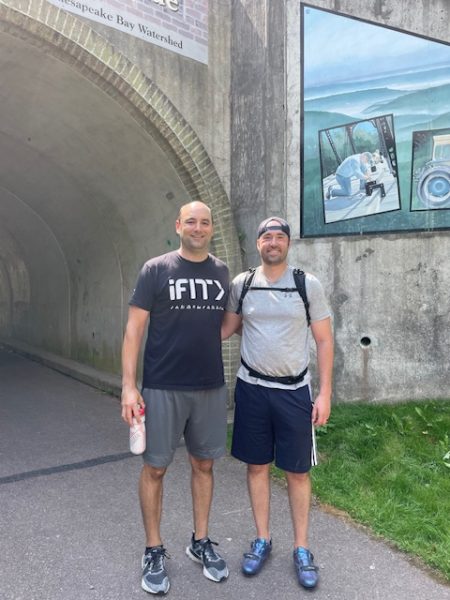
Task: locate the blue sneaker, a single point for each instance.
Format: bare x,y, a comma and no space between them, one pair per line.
305,568
254,560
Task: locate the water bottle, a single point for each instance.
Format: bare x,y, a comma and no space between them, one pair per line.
137,434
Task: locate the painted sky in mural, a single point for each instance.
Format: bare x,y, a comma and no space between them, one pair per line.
367,92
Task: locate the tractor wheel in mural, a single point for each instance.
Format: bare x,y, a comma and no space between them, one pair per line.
433,187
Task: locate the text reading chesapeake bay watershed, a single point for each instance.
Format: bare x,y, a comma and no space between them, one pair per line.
119,19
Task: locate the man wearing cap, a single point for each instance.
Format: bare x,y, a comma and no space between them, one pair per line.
274,413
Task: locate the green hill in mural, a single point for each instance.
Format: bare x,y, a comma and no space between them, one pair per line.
329,103
404,124
432,100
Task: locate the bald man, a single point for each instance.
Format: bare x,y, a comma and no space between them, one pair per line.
181,295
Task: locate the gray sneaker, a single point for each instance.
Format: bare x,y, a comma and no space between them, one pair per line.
214,566
154,575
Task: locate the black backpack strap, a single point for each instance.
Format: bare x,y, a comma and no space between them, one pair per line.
247,283
299,278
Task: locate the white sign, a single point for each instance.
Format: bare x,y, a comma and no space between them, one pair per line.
177,25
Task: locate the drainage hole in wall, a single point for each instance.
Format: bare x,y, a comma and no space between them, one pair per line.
365,342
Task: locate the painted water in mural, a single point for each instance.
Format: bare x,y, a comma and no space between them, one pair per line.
376,128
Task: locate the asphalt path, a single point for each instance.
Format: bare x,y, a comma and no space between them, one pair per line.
71,527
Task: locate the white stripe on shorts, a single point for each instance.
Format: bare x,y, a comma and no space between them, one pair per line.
314,458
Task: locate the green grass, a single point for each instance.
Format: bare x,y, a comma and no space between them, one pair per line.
388,467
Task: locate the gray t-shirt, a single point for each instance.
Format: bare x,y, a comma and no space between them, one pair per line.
275,335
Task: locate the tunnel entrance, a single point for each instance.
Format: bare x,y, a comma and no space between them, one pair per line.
96,163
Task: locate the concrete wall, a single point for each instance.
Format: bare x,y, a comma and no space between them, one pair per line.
392,289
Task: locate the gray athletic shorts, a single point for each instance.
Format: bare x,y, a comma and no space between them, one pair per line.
199,415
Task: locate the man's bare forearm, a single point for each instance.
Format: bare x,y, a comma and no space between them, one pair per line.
325,354
130,354
131,397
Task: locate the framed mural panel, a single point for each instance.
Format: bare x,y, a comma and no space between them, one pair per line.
365,181
375,151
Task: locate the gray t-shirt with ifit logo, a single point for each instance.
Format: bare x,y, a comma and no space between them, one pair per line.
275,335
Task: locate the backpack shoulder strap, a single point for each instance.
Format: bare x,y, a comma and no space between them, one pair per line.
299,278
247,283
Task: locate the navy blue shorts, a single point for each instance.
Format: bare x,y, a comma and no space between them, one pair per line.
274,423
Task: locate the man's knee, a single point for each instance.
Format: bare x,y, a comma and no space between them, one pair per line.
297,478
200,465
154,473
255,470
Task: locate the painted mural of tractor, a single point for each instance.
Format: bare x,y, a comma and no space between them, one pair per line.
433,185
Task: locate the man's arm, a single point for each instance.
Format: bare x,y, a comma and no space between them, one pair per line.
231,324
131,397
323,337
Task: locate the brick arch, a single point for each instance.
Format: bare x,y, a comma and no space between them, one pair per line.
74,42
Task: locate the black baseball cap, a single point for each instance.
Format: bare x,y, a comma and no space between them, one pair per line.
282,226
